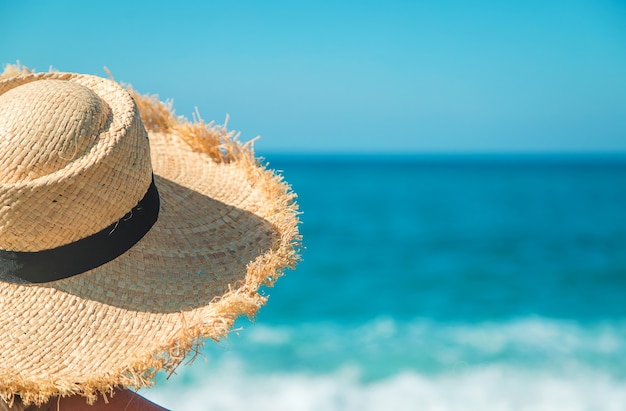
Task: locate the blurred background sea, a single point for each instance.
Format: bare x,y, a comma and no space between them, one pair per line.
461,282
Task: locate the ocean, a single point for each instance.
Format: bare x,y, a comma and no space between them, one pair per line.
435,283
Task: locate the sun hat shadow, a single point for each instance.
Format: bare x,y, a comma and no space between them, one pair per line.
168,271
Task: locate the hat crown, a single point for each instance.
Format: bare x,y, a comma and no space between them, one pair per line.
74,158
45,125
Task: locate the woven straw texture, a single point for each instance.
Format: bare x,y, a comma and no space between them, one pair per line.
227,226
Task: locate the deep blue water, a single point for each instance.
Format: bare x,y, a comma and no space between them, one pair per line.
456,239
434,282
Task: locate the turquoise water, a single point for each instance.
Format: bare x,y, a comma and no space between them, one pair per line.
436,283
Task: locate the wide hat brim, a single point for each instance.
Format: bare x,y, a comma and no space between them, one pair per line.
226,227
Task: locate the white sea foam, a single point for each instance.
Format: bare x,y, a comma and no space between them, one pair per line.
524,364
488,388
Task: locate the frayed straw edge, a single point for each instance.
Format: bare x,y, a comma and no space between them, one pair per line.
12,70
221,146
214,140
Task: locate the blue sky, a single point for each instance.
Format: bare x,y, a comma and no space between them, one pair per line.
332,76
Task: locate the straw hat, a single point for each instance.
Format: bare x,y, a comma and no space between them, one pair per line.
127,235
